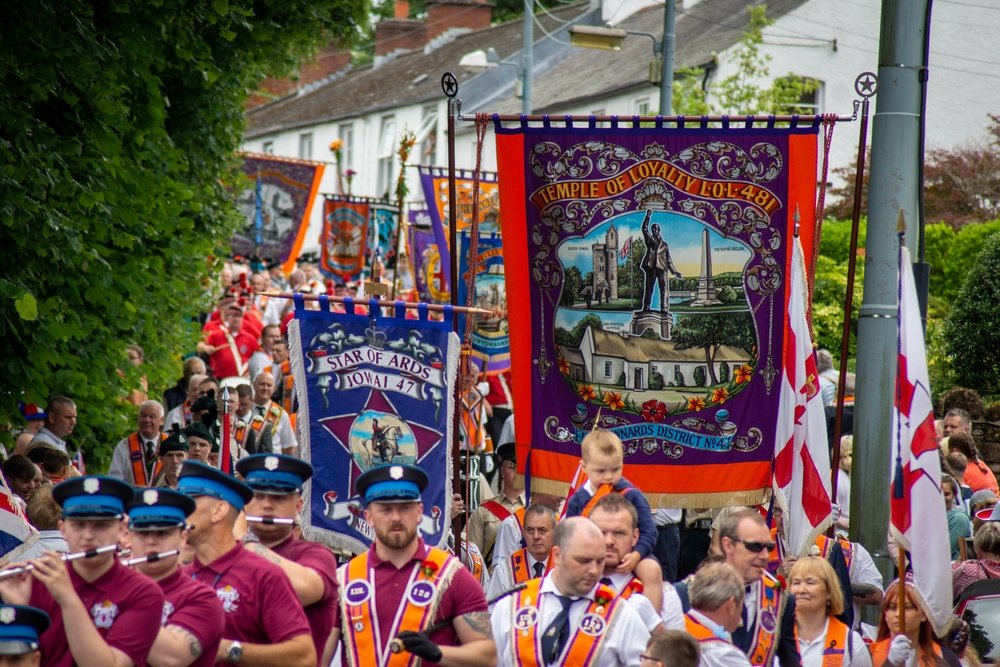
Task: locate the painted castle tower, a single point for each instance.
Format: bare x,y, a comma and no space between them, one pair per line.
606,266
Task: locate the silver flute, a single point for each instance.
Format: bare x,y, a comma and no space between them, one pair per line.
89,553
151,558
270,520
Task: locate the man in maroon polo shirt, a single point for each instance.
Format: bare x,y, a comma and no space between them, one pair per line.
277,481
265,624
103,614
404,586
192,620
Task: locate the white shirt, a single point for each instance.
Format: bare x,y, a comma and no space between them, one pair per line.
863,571
811,652
719,653
175,416
664,517
260,361
502,578
508,540
625,642
639,602
284,436
844,494
121,459
50,438
271,312
506,431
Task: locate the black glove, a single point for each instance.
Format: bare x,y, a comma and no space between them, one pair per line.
420,645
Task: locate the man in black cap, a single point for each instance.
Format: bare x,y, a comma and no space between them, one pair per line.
485,521
277,482
173,452
200,440
265,623
103,614
388,590
20,628
192,616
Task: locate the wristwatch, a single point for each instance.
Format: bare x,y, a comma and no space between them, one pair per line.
235,652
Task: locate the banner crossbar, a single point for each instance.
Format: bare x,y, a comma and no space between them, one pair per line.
681,122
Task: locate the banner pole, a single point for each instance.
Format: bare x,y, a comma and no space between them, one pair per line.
449,84
852,264
689,121
436,307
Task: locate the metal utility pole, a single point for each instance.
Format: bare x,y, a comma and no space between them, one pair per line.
667,56
527,56
894,186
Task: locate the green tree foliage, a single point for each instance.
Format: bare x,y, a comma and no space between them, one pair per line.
711,332
971,335
572,284
727,294
655,381
723,373
741,93
699,376
119,126
573,337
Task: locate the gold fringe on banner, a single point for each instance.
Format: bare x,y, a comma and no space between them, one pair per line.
669,500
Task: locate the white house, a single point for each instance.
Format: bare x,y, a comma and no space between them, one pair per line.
831,42
605,356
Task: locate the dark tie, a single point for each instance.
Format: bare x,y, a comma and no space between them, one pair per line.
150,451
606,581
260,410
539,569
554,639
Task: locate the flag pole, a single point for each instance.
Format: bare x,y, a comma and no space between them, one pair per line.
899,484
852,263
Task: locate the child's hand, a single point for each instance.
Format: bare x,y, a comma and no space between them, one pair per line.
629,561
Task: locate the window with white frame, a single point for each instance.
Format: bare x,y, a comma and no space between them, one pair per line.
267,148
386,151
811,100
306,145
345,132
427,135
641,106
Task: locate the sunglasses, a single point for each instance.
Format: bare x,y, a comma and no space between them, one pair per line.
754,547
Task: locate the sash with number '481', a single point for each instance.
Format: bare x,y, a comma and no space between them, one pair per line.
585,644
365,643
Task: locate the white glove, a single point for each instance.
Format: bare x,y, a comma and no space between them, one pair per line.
834,512
900,650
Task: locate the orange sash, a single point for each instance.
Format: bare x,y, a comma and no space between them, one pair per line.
584,646
288,391
770,605
270,418
602,490
365,643
518,563
140,471
699,630
777,554
825,543
631,588
880,652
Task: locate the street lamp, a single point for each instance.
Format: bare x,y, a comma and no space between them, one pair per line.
595,37
480,61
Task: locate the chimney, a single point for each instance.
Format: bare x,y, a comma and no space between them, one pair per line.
402,9
467,15
330,60
392,35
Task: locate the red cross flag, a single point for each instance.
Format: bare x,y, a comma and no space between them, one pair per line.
917,512
801,456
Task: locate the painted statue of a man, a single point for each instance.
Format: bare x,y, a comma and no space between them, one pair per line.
655,265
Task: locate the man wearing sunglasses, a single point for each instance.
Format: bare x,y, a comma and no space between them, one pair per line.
767,629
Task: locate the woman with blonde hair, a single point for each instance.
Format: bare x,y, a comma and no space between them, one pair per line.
918,646
822,639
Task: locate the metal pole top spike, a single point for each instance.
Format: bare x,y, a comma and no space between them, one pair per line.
901,222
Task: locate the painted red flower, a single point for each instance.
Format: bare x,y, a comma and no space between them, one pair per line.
696,403
428,567
654,411
720,394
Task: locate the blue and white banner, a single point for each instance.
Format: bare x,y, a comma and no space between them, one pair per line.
373,390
